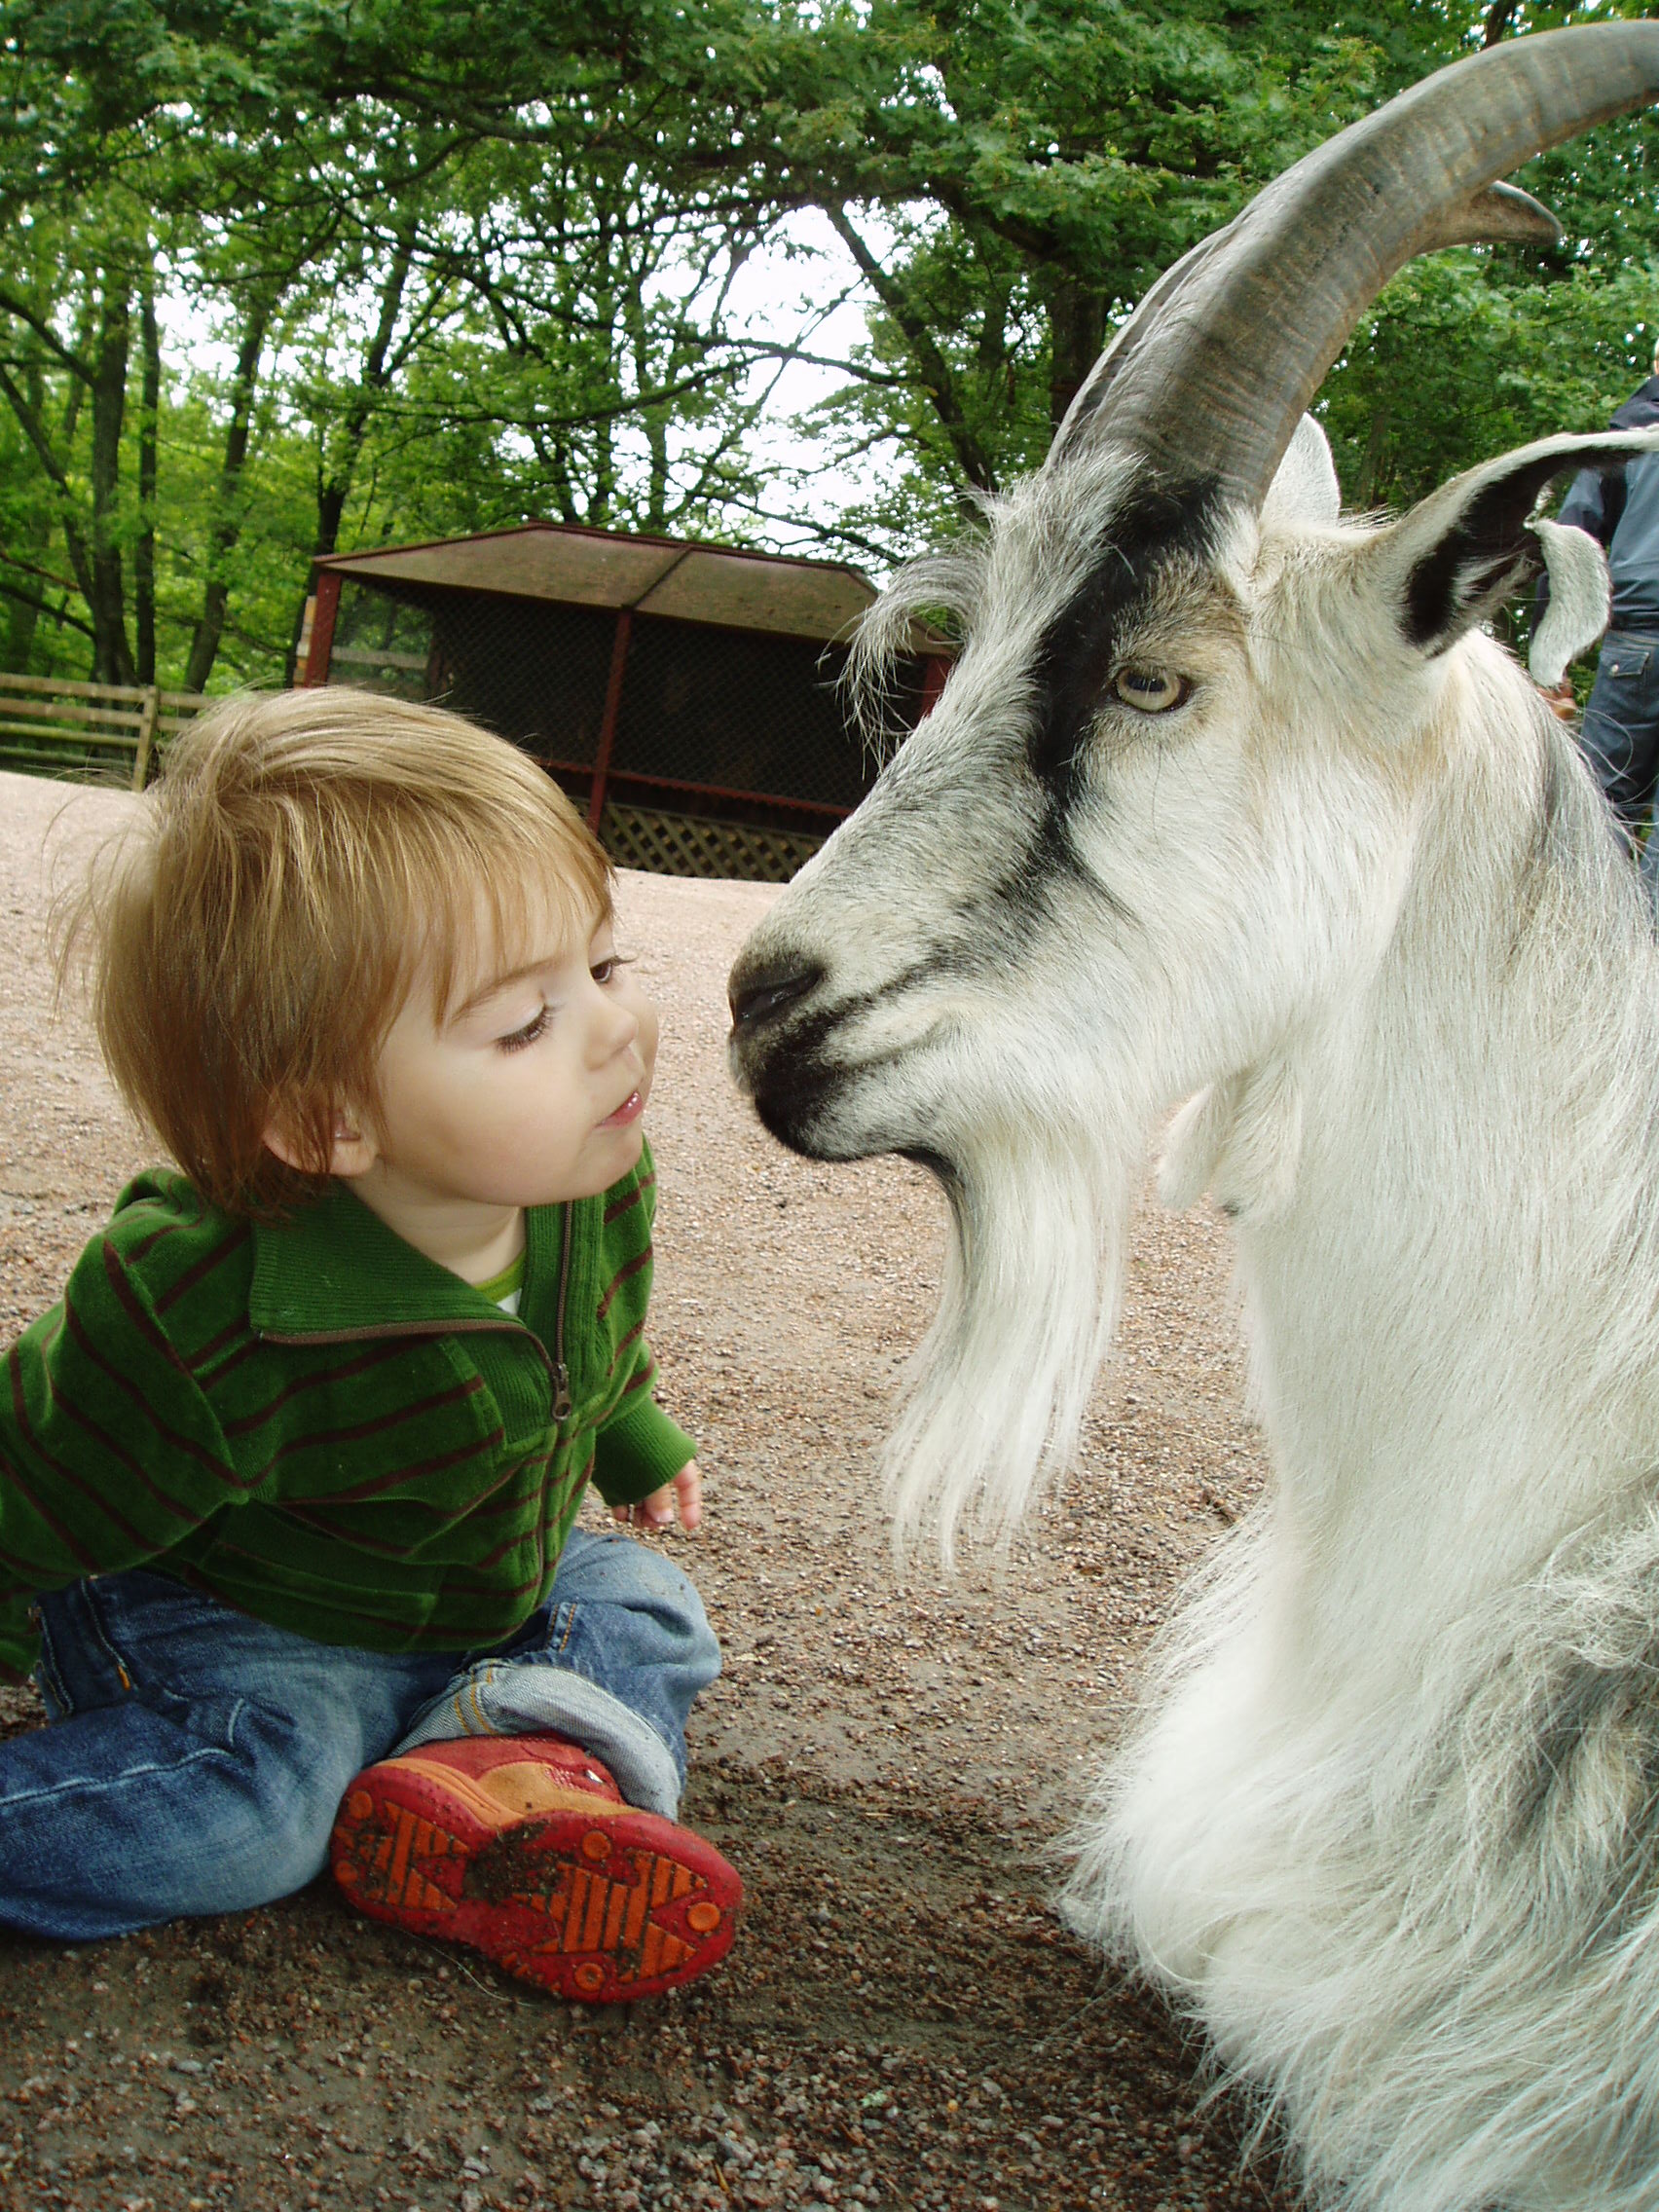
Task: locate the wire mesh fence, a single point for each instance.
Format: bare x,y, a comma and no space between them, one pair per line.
695,750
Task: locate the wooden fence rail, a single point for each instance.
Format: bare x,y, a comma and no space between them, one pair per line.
94,733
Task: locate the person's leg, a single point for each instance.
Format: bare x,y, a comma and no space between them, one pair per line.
1642,716
613,1661
529,1812
1620,735
194,1761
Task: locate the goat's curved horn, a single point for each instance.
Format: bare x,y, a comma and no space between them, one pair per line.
1210,374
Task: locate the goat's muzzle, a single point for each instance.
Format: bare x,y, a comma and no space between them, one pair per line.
759,996
776,1048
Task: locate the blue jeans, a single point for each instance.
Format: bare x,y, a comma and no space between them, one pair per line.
1621,736
196,1756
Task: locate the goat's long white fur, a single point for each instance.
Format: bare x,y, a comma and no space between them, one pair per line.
1002,1380
1387,1824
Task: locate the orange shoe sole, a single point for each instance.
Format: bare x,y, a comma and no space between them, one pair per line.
591,1901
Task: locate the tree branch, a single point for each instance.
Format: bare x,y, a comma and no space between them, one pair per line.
937,378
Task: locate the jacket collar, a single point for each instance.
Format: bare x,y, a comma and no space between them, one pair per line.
334,1267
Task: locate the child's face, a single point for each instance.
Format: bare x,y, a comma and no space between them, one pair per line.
527,1091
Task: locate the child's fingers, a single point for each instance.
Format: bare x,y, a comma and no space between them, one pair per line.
688,1493
654,1512
681,1497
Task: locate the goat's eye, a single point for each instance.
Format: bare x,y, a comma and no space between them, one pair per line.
1149,690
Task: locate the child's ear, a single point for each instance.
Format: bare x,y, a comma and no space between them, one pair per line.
350,1152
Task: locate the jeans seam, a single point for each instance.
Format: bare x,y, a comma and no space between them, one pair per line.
85,1784
94,1613
52,1679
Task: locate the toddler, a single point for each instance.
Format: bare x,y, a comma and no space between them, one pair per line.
289,1476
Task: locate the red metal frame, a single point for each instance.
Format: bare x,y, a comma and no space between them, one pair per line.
322,627
637,777
608,723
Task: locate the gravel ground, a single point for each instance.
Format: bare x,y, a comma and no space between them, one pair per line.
891,1758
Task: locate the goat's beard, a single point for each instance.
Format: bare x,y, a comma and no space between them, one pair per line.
995,1397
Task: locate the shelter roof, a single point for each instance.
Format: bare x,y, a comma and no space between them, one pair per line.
652,575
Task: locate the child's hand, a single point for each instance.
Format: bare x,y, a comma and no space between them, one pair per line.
682,1497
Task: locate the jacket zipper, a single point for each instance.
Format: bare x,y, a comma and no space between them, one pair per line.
563,1403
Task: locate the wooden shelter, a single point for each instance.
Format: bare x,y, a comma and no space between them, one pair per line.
685,695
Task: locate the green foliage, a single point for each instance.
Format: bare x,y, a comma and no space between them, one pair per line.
481,262
1469,353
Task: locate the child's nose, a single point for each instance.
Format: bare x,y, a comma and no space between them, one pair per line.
618,1026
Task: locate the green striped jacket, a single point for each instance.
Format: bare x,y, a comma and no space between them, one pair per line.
320,1426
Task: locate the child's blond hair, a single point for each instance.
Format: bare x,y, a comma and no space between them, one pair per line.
254,932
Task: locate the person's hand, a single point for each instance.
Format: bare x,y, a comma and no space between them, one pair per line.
1560,700
682,1498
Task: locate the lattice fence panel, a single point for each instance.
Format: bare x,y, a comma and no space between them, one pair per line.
690,844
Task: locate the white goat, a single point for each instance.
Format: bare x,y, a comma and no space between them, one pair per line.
1229,801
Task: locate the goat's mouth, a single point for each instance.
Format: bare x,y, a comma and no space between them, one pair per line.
785,1052
803,1097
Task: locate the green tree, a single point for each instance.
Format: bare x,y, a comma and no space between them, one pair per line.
476,262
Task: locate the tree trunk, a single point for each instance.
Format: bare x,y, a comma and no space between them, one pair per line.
1370,468
1498,19
1077,334
32,423
935,375
337,473
112,658
23,612
216,592
144,551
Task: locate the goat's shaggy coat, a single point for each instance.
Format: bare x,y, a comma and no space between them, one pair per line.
1227,801
1387,1821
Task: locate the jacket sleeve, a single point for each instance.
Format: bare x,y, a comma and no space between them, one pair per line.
109,1453
637,1447
1594,502
638,1450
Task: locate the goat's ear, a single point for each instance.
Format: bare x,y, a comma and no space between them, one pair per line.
1456,556
1305,488
1581,599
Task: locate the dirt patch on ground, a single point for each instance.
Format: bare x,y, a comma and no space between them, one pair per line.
892,1761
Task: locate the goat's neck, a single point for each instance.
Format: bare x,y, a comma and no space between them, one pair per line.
1454,1298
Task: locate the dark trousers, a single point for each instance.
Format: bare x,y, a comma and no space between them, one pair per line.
1621,735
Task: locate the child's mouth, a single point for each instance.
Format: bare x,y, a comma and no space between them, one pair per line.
631,1108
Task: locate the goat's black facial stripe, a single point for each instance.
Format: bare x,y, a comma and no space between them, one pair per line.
1024,894
1076,649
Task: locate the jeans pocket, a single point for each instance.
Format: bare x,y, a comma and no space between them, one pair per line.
80,1669
136,1629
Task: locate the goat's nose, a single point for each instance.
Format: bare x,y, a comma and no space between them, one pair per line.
757,998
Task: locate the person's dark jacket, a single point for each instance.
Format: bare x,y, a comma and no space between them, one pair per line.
1619,508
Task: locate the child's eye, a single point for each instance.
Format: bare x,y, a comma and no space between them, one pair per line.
602,970
518,1039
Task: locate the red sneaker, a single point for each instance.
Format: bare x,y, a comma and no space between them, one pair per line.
521,1846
